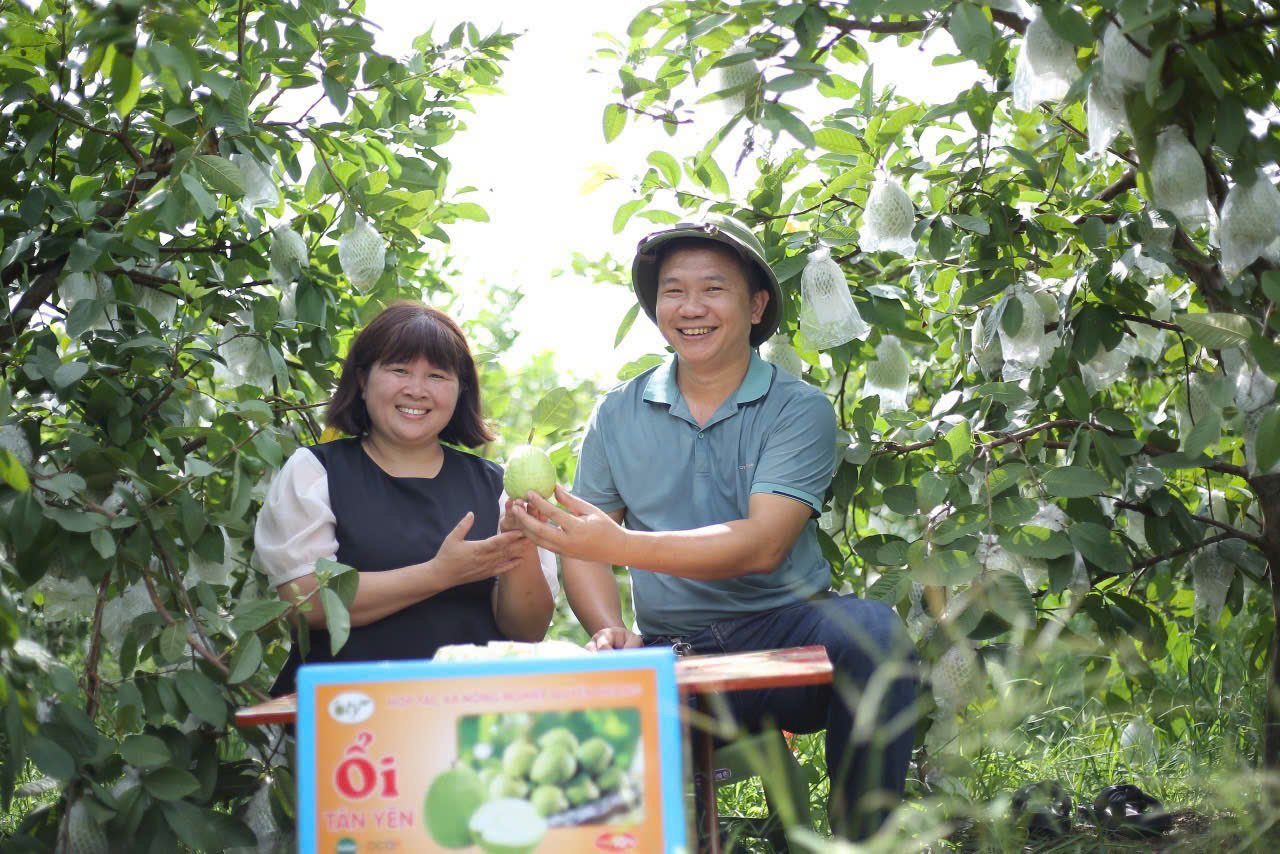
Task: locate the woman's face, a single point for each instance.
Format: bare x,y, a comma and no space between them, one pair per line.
409,403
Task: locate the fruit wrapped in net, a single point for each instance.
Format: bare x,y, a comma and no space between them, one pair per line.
1250,223
1046,66
888,219
828,316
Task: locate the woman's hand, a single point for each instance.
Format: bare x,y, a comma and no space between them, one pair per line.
461,561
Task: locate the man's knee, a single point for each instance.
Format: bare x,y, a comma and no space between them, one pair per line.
864,627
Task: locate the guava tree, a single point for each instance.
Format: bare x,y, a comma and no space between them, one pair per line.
1044,307
199,201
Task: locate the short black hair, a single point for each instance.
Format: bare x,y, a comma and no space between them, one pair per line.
402,332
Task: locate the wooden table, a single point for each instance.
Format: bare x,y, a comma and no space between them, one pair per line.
698,677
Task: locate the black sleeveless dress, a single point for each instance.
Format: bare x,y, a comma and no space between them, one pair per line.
386,522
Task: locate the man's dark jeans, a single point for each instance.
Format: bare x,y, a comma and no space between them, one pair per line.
868,711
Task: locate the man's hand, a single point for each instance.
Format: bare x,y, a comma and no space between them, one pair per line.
614,637
579,530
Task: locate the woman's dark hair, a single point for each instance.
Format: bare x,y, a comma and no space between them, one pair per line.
401,333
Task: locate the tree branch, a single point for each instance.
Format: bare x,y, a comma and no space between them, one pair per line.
1230,530
1255,22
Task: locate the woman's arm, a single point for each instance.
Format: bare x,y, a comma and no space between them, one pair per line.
523,602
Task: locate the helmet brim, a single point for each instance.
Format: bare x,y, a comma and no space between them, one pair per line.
644,272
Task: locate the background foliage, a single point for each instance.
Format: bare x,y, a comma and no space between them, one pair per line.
1054,525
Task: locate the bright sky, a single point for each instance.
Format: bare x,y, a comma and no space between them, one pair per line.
530,151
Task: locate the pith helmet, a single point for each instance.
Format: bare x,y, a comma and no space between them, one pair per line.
721,229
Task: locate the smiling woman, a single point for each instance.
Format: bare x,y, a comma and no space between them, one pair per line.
423,523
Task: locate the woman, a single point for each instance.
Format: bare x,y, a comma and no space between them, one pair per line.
439,562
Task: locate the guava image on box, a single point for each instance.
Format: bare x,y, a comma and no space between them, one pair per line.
501,756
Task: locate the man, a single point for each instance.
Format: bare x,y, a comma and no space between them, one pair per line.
704,476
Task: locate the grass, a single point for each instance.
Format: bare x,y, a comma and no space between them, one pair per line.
1088,712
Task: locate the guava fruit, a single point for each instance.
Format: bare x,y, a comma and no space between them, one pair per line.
362,254
594,755
518,758
558,736
529,468
553,765
452,799
548,800
508,826
610,780
580,790
508,787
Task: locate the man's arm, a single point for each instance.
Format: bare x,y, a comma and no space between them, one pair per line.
592,592
748,546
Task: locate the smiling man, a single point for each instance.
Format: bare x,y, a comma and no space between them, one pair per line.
705,476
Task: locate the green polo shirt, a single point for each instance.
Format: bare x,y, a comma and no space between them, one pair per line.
644,451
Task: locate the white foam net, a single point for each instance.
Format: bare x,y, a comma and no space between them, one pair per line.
362,254
889,375
1046,66
888,219
828,316
1178,178
1250,223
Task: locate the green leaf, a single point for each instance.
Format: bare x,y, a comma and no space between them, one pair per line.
555,411
1008,598
336,619
173,642
251,616
944,568
1218,330
667,165
12,472
220,174
1096,543
615,116
1208,70
51,758
1069,24
126,84
882,550
1034,541
625,326
1206,432
971,31
783,119
69,374
625,212
891,587
968,222
1268,441
202,697
246,659
1074,482
838,141
145,751
169,784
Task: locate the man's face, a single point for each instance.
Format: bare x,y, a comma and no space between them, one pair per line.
705,306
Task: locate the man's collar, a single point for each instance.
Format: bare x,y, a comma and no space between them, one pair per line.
661,386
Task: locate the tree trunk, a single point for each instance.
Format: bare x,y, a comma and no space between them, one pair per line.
1268,491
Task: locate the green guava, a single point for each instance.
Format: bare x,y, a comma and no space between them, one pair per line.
580,790
554,765
559,736
518,758
508,826
548,800
609,780
452,798
529,468
508,787
595,754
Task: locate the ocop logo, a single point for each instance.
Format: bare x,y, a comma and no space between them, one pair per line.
346,845
351,707
616,841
